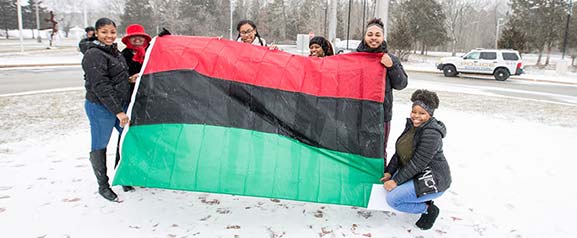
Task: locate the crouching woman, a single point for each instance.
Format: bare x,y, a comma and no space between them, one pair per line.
418,171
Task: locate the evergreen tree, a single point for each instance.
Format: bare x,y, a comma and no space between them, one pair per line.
426,20
539,21
8,16
29,15
399,38
512,38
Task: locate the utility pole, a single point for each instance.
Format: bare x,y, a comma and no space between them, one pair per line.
19,9
569,12
364,10
333,21
231,3
348,24
37,2
85,15
326,9
497,33
382,11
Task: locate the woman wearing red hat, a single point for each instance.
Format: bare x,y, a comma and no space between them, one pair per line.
136,41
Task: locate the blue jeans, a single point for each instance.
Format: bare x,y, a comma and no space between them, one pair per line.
404,198
102,121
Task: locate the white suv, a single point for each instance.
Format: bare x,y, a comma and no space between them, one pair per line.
500,63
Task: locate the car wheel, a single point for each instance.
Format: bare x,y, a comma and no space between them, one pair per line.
450,71
501,74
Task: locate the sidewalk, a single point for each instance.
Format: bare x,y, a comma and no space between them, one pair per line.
66,54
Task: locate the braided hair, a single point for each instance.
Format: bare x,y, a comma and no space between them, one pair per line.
251,23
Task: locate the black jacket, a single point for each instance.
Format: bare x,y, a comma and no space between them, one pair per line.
106,77
428,168
396,77
133,66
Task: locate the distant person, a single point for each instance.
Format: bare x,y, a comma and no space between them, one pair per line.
374,42
88,37
107,96
419,172
248,33
320,47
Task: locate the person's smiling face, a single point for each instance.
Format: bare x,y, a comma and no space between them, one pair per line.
316,50
106,34
419,116
247,33
137,40
374,37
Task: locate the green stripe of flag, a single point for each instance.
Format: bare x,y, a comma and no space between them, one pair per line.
244,162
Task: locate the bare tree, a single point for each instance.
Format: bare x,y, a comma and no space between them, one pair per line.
455,10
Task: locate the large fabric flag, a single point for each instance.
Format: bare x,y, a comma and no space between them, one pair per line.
214,115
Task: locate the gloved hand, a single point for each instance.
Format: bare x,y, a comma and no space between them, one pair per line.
164,32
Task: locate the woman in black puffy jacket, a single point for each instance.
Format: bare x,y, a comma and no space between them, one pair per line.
107,97
419,172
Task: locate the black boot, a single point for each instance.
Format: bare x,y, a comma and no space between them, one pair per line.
428,219
116,161
98,161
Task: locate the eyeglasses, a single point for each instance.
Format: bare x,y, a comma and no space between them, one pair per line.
247,32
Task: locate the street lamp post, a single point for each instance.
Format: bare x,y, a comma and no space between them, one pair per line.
497,32
38,21
19,12
569,12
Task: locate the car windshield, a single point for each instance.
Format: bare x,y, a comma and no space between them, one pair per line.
472,55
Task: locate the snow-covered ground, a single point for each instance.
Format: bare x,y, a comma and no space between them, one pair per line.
511,161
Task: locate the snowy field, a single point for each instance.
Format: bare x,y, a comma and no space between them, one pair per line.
511,162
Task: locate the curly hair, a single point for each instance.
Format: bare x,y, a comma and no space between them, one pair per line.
376,21
427,97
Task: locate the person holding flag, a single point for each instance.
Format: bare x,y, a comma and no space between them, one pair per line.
107,97
374,42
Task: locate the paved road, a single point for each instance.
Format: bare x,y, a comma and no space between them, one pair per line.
24,80
549,92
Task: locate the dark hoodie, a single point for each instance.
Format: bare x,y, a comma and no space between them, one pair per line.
396,77
428,168
83,44
106,77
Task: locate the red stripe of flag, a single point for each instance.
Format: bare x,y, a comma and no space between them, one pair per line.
354,75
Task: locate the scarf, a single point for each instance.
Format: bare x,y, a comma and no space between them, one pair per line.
139,52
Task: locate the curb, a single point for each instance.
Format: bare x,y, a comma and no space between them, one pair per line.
36,65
